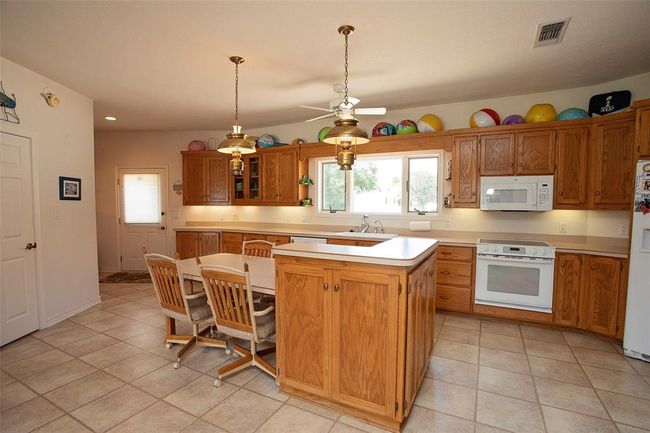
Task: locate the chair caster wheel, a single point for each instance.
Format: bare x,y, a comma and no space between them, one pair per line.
168,345
218,383
176,365
228,351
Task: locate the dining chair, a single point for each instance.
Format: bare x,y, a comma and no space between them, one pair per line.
231,301
258,248
177,304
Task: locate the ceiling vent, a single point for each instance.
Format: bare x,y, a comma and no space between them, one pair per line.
551,33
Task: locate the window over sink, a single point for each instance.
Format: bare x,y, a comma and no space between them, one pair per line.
391,184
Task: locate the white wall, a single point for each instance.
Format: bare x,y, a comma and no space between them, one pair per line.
66,231
139,148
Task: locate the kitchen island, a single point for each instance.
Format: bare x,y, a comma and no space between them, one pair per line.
355,325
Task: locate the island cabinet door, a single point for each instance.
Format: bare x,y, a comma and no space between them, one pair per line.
364,340
303,334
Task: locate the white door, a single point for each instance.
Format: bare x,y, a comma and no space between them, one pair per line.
18,297
143,199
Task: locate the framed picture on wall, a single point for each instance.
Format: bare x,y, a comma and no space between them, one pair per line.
69,188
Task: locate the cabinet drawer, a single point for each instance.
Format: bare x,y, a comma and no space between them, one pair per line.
456,274
453,298
460,254
231,237
367,243
254,237
279,240
231,247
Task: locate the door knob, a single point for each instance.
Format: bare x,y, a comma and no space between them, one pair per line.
162,227
30,246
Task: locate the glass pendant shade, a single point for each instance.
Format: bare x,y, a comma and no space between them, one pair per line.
346,131
236,142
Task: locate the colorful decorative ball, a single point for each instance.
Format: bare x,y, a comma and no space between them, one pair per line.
296,141
541,113
382,129
323,132
429,123
484,117
407,126
266,140
513,119
196,146
572,114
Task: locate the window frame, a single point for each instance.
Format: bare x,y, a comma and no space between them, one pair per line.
404,212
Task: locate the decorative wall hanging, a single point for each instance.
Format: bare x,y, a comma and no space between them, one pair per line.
50,97
8,106
69,188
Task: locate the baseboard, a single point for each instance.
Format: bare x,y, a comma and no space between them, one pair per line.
67,314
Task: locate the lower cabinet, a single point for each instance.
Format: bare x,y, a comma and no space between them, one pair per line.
589,293
352,242
455,278
231,242
354,336
193,244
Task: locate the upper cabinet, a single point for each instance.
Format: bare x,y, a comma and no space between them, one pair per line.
643,130
535,152
206,178
270,178
612,163
570,191
497,154
464,168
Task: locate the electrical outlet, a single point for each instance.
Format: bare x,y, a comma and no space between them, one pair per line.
564,227
622,229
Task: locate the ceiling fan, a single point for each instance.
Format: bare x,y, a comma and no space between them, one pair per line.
338,108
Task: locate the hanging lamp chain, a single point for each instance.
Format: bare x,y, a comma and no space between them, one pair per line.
346,68
237,93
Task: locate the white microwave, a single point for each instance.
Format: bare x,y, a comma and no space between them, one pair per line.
517,193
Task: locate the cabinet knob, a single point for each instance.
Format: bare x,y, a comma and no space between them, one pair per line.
420,285
445,272
336,287
597,192
511,164
593,267
561,193
325,286
521,164
474,194
445,297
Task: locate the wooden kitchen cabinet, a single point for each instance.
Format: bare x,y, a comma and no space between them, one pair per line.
420,327
231,242
612,163
497,154
567,287
571,176
602,294
455,278
206,178
278,239
352,242
643,130
589,293
193,244
246,188
464,168
363,334
535,152
280,175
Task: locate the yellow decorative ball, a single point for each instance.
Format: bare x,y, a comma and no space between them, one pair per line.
430,123
541,113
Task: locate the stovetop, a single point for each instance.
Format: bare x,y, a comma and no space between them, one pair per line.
515,248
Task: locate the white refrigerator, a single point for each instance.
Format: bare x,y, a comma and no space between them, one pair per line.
637,320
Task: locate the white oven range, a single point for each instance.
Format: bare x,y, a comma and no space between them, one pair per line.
515,274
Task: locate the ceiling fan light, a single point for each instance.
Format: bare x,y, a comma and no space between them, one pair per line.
346,130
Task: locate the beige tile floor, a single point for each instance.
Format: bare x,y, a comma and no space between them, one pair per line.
106,370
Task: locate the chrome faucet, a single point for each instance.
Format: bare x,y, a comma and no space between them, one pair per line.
378,229
363,228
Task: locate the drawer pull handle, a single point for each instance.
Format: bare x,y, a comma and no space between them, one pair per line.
445,272
445,253
444,297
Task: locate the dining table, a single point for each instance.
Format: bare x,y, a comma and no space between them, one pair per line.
261,269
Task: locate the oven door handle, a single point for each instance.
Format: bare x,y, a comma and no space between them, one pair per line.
488,258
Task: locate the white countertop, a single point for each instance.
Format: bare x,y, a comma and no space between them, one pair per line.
399,251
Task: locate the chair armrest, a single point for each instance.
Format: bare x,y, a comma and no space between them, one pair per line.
195,295
263,312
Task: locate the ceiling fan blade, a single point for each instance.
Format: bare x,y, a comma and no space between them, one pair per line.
352,100
315,108
370,111
320,117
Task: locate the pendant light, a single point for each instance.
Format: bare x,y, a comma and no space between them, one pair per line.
236,143
345,132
